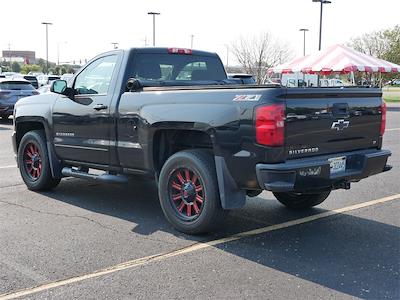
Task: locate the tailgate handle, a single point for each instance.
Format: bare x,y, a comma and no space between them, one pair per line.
340,109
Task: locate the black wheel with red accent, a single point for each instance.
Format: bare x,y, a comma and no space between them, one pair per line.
33,162
188,192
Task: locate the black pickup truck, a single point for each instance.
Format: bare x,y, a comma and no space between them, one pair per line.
172,115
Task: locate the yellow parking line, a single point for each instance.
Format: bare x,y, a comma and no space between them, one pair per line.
195,247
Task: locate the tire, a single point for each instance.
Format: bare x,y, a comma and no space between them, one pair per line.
33,162
188,192
301,201
253,193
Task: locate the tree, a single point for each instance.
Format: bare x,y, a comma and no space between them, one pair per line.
16,67
384,44
30,68
259,53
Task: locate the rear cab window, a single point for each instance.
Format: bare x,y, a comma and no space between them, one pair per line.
175,68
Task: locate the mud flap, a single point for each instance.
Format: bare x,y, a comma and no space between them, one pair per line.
231,196
55,164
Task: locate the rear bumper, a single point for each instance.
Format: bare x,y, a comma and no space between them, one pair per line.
312,174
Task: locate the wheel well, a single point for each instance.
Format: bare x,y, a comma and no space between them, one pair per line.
167,142
24,127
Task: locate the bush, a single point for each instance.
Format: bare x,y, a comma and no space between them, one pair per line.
30,68
16,67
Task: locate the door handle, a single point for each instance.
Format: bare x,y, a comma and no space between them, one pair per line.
100,107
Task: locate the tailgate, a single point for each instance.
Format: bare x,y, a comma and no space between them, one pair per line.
324,121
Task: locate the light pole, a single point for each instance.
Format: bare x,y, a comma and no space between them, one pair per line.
58,51
154,25
320,19
227,55
191,41
304,40
47,45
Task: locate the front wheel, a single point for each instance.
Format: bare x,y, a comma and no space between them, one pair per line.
33,161
301,201
188,192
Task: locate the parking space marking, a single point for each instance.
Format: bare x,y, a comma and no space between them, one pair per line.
195,247
8,167
392,129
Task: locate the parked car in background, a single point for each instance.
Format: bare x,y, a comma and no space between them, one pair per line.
44,89
35,73
46,79
9,74
67,76
394,82
242,78
33,80
331,82
11,90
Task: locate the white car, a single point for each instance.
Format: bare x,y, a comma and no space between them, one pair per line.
46,79
67,76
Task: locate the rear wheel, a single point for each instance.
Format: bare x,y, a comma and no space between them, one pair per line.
301,201
33,161
188,192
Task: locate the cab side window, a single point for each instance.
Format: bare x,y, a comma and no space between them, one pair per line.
96,77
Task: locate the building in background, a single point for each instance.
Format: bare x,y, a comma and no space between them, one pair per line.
27,57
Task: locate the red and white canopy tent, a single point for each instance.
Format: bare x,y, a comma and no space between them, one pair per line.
336,59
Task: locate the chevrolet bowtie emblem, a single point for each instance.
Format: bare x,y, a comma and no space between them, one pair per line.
340,124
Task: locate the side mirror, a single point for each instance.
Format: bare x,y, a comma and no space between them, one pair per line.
133,85
58,86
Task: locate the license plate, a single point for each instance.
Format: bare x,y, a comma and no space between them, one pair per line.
338,164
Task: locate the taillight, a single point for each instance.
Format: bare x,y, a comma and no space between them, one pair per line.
179,51
383,120
270,125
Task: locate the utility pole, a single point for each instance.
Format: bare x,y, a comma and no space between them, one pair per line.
191,41
58,51
154,25
304,40
227,55
320,20
145,41
9,54
47,45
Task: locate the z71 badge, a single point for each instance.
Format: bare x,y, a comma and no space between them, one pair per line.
247,98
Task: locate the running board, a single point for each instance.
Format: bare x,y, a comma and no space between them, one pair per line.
109,178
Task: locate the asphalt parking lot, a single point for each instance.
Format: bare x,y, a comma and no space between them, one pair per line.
95,241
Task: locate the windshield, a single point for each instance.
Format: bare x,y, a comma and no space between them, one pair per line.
15,85
182,68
